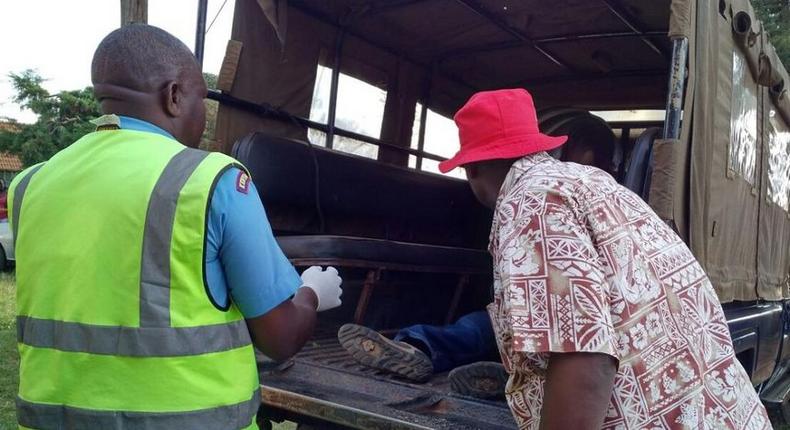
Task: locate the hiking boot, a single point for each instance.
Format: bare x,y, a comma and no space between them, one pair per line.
483,380
374,350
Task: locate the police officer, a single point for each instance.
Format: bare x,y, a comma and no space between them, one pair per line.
144,265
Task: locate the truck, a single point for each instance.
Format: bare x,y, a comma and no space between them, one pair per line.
342,109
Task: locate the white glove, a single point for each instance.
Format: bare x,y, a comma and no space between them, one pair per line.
325,284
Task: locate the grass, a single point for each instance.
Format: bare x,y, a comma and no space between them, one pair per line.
9,356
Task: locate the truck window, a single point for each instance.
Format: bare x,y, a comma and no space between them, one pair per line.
743,121
778,161
441,138
636,115
360,108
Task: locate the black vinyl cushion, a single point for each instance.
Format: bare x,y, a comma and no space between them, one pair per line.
359,197
377,250
640,166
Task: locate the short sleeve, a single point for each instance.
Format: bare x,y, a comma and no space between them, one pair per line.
243,260
552,294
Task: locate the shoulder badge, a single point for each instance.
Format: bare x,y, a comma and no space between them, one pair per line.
243,182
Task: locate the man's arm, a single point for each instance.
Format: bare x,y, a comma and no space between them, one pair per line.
281,332
553,249
577,391
244,263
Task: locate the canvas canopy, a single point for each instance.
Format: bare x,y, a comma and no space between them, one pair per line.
738,226
723,182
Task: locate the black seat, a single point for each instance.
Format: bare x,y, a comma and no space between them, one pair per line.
362,252
332,206
639,168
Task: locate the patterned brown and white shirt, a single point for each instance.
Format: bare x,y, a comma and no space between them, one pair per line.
584,265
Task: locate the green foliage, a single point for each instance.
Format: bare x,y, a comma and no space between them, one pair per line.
211,80
62,118
9,364
775,15
208,141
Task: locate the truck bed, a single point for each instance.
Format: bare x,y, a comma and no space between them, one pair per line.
324,384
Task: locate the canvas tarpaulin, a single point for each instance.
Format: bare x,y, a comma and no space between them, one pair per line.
446,52
282,75
269,74
681,19
774,252
741,239
778,81
669,195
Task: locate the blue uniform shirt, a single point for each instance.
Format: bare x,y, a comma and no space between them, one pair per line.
243,260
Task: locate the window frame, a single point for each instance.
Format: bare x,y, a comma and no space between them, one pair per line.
420,153
331,129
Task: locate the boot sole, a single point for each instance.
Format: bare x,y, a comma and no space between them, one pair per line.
482,380
374,350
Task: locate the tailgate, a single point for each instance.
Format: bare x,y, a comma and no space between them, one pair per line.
325,384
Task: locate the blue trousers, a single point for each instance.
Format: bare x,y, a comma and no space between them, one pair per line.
468,340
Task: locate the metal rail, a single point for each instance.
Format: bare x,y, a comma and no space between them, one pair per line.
590,78
330,133
626,18
322,17
200,31
271,112
493,19
549,40
390,5
677,83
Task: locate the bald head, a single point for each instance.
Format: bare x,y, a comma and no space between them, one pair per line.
147,73
142,58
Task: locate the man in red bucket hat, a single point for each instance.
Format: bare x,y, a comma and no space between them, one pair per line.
603,317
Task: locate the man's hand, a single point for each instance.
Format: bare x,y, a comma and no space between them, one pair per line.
325,284
281,332
577,391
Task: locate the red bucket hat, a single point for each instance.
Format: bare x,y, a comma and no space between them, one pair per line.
496,125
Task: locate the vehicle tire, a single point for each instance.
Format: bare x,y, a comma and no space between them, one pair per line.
3,260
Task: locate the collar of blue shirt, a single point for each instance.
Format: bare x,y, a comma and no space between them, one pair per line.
130,123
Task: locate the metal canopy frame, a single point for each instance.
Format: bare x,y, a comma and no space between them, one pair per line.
550,40
267,111
200,32
394,52
522,39
648,73
383,6
475,7
619,11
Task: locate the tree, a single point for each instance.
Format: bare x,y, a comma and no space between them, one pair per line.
65,117
208,141
775,15
62,119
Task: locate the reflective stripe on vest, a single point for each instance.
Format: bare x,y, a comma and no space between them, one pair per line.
43,416
18,195
159,219
131,341
154,337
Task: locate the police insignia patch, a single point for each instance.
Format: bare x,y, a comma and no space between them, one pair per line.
243,182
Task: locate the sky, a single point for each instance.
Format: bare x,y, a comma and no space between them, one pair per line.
57,38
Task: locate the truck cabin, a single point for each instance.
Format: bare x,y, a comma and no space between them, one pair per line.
342,109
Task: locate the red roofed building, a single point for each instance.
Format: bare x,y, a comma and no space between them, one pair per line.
10,165
8,126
